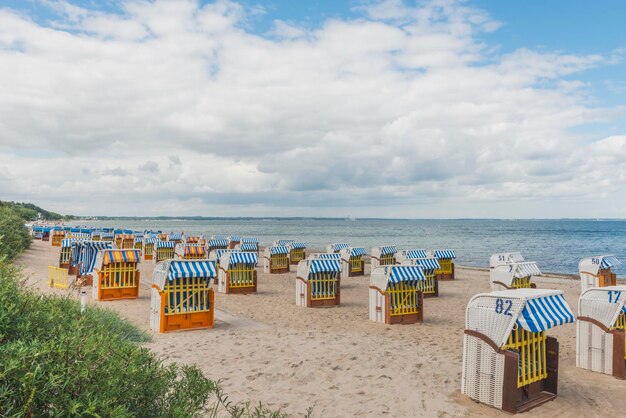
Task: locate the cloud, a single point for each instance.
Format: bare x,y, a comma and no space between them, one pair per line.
177,107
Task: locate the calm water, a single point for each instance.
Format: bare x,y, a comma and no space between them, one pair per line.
557,245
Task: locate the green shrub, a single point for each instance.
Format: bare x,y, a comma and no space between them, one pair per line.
14,237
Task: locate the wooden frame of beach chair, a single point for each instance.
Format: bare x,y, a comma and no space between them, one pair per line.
116,275
57,237
215,256
86,262
45,233
395,296
276,259
181,297
65,256
318,282
596,271
148,247
509,362
297,252
600,343
445,258
138,244
190,251
383,256
352,261
163,250
237,273
516,275
429,265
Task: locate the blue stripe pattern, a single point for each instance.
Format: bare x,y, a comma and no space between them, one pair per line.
234,238
445,254
337,247
357,251
416,254
543,313
249,240
389,249
428,263
279,250
609,261
186,269
318,266
297,245
88,254
249,246
151,240
284,242
138,239
406,274
243,257
176,237
218,242
165,244
328,256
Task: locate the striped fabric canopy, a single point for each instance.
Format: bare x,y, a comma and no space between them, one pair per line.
80,235
388,249
221,251
218,242
106,235
219,237
337,247
284,242
297,245
74,229
46,229
86,231
406,274
67,228
128,231
165,244
318,266
243,258
88,254
151,240
118,231
120,256
185,269
249,246
194,249
416,254
248,239
234,238
328,256
609,261
440,254
526,269
67,242
37,228
279,250
429,263
542,313
138,239
192,239
357,252
174,236
58,232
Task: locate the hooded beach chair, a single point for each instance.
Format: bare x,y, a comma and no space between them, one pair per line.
190,251
181,295
384,256
352,261
508,360
446,262
237,273
276,259
163,250
318,282
429,265
116,274
336,247
513,275
600,344
596,271
395,296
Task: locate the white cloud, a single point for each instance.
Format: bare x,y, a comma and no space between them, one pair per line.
397,107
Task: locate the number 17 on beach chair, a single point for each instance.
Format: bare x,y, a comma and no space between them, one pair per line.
600,344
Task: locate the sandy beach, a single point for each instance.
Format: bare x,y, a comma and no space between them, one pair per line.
265,348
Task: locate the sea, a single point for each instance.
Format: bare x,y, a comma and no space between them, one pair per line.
556,245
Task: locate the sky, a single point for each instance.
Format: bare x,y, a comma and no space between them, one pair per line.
386,109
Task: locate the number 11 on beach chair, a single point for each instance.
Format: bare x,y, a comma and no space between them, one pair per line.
508,360
600,344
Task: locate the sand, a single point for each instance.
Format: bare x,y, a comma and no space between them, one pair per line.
264,348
